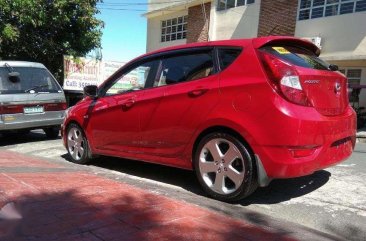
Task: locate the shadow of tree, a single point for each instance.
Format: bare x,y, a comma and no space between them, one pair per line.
278,190
75,215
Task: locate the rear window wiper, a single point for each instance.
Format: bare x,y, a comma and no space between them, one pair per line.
36,87
333,67
9,68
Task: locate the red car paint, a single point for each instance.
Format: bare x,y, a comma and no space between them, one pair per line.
162,124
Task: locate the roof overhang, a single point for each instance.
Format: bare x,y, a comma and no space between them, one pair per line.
174,7
343,56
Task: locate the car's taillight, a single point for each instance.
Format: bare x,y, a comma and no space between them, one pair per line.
11,109
284,79
55,106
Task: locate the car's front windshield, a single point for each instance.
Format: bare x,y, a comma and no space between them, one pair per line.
31,80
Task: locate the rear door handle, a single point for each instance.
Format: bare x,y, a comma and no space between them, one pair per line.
197,92
128,104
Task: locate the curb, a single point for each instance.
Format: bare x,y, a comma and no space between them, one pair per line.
361,135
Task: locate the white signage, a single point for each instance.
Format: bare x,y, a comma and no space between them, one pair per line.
80,72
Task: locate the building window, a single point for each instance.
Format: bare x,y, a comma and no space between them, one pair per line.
226,4
353,76
174,29
310,9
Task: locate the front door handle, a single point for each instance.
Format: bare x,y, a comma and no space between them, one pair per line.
128,104
197,92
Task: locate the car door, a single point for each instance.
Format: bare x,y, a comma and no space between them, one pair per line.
114,119
189,86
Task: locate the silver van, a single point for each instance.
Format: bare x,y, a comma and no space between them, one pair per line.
30,98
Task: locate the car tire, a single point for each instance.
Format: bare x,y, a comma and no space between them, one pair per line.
52,132
77,144
225,167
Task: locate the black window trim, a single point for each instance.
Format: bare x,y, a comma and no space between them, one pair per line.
178,52
164,54
227,47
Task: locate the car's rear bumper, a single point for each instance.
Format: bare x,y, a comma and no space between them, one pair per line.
31,121
320,142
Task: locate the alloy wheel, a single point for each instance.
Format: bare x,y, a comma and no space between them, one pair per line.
76,143
221,166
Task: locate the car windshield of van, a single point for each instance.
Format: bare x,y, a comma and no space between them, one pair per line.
31,80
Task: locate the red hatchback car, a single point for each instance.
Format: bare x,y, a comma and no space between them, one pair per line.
238,112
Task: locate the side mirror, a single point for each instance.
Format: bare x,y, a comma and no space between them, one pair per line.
91,91
14,77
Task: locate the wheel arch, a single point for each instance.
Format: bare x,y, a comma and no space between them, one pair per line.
225,129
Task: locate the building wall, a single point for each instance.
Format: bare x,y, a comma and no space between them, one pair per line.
341,33
343,41
154,31
234,23
198,23
277,18
355,64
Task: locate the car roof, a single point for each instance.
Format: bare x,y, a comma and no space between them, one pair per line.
21,64
255,42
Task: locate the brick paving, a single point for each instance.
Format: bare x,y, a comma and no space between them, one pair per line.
69,205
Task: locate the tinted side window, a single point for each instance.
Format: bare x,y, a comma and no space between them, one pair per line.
132,80
297,56
227,56
185,67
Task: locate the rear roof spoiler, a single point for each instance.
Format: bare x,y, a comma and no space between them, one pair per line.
273,40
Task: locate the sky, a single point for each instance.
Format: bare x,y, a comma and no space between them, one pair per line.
124,33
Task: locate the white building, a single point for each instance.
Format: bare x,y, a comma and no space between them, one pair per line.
338,26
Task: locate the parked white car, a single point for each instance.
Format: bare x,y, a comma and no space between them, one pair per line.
30,98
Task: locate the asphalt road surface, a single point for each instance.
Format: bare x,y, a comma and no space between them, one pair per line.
331,201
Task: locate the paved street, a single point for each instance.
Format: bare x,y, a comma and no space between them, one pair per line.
332,201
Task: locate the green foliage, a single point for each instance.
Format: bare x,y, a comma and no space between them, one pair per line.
45,30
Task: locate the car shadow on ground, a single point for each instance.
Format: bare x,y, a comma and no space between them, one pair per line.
15,138
174,176
278,190
282,190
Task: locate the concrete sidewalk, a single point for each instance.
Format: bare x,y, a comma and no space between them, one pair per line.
60,203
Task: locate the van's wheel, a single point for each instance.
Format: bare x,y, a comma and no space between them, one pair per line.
77,145
224,167
52,132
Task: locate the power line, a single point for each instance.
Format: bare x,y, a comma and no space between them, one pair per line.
124,9
121,6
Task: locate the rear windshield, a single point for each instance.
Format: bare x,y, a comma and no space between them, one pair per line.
31,80
297,56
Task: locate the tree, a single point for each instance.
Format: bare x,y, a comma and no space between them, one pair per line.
45,30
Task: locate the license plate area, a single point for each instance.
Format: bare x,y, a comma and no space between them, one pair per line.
33,109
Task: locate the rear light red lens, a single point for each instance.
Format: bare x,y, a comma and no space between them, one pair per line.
15,109
284,79
11,109
303,151
55,106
